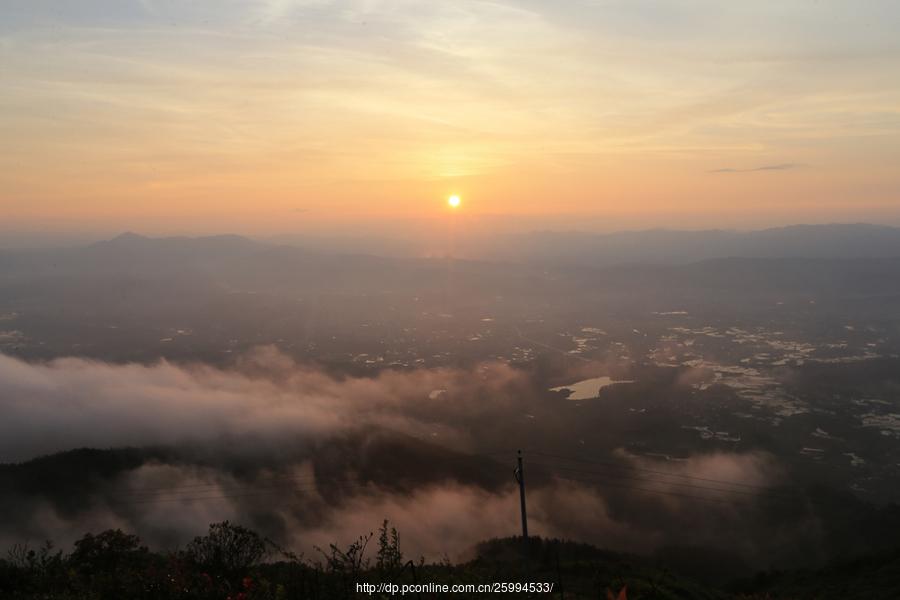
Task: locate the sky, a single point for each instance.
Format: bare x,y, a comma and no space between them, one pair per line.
273,116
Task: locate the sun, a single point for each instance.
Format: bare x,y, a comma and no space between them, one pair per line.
453,201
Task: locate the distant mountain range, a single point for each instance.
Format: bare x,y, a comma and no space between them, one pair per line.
656,246
679,247
860,258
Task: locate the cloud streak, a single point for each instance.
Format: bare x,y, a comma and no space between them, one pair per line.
776,167
73,402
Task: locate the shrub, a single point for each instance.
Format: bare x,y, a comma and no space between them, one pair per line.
227,548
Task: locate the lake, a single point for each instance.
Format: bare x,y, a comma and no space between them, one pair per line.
587,388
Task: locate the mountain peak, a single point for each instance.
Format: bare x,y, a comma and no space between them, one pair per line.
129,236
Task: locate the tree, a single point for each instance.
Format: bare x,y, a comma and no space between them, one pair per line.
106,551
227,548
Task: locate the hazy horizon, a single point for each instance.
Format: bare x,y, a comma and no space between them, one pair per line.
410,236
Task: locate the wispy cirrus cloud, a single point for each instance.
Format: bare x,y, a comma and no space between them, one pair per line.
240,103
777,167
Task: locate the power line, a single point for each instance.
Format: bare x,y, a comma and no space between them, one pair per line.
605,481
756,494
219,496
267,482
646,470
664,492
199,487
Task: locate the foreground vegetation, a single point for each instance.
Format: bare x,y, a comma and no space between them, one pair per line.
234,563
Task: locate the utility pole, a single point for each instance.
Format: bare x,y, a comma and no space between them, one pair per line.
520,477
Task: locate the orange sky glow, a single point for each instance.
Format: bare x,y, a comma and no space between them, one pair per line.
280,115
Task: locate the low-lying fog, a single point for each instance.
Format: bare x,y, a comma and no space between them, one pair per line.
310,459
